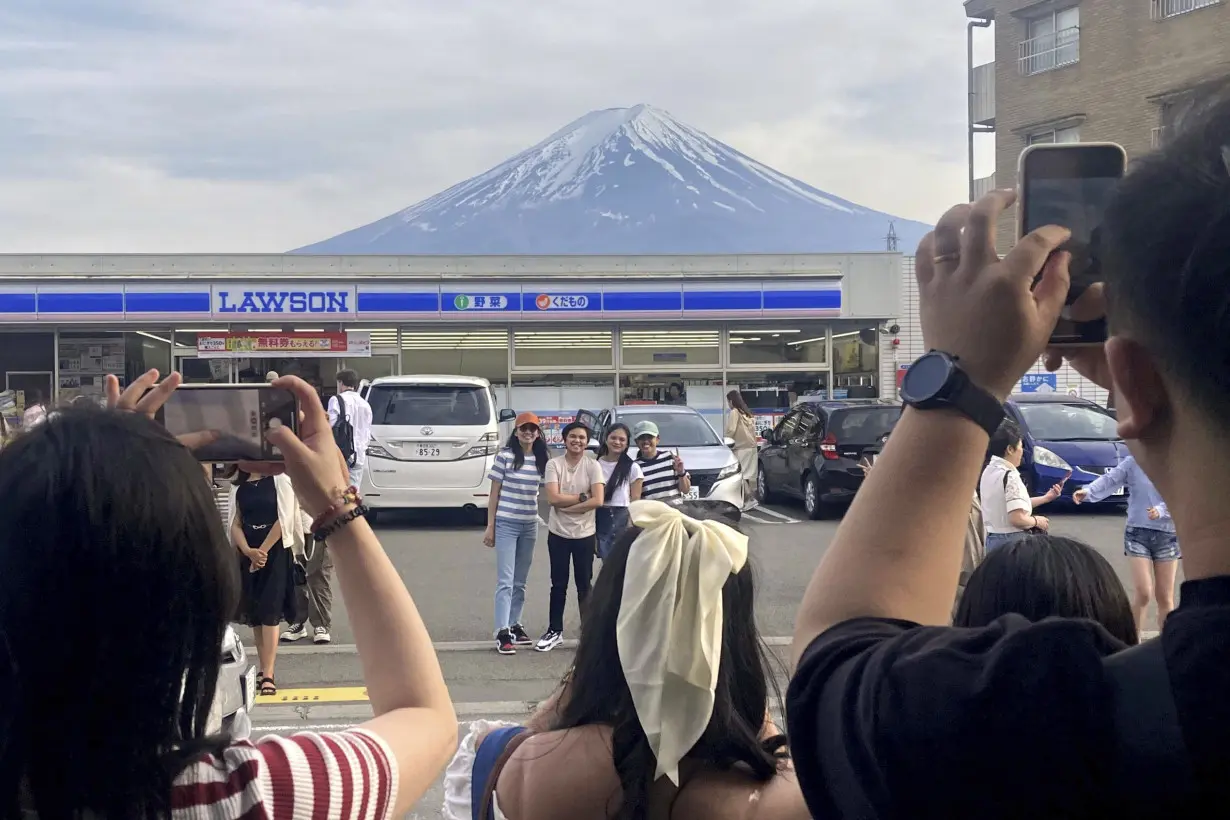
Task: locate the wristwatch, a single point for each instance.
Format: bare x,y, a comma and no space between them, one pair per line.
583,496
936,380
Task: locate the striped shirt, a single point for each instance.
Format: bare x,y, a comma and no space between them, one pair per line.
518,487
661,483
349,774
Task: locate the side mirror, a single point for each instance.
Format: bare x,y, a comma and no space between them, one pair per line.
507,415
729,442
593,445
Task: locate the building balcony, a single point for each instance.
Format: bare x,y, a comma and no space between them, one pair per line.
984,186
1164,9
984,95
1048,52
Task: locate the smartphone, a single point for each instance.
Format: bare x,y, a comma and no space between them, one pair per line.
240,415
1070,185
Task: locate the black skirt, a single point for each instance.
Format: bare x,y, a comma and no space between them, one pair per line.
269,593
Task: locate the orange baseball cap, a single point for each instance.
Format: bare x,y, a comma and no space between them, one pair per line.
527,418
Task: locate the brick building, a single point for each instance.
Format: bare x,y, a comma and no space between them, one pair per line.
1091,71
1081,70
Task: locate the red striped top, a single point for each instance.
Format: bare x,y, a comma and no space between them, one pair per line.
306,776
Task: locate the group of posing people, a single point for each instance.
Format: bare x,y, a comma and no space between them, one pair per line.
1022,712
589,503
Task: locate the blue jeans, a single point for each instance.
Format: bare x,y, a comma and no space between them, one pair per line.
611,523
999,539
514,551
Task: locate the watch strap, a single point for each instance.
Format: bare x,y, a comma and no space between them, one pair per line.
980,406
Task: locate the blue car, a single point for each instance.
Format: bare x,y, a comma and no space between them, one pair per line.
1061,434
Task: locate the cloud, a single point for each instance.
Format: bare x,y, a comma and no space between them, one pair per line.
229,126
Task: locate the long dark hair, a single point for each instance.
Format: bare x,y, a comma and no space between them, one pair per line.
541,454
739,403
623,467
599,695
1047,576
105,512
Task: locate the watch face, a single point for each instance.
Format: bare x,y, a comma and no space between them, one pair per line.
926,377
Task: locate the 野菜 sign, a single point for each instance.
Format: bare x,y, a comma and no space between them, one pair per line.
283,345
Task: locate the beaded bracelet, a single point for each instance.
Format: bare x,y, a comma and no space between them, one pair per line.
346,497
340,522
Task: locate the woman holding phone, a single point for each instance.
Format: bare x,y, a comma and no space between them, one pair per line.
132,706
267,528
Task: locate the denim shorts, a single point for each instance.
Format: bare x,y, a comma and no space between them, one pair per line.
1156,545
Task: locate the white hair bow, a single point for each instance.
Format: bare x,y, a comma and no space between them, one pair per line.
669,631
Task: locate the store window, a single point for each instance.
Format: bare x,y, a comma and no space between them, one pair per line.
786,343
459,352
700,391
87,356
564,350
656,347
771,395
856,363
555,398
27,362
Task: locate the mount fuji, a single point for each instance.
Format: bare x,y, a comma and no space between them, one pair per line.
628,181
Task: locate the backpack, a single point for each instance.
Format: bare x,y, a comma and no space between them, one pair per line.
343,433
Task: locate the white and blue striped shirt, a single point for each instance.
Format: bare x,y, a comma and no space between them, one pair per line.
518,487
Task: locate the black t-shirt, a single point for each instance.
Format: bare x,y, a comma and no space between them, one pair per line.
891,719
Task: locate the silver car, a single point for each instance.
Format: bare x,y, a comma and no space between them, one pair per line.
708,458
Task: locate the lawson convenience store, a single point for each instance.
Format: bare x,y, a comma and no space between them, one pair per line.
551,333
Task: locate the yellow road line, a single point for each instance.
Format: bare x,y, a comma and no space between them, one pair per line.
340,694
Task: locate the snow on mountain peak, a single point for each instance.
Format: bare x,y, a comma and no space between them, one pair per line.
625,181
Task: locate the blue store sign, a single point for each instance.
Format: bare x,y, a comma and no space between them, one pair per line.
1039,383
568,302
281,300
332,301
480,302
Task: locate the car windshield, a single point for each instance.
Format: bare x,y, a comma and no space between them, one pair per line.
1068,422
441,405
676,429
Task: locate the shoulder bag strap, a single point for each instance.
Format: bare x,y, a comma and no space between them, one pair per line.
1152,764
510,739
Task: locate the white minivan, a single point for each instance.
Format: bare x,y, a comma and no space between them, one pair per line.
434,439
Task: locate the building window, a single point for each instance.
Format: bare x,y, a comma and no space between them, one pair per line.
1051,135
1051,41
563,350
1171,112
662,348
799,343
1162,9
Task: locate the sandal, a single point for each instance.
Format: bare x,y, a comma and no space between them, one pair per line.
267,687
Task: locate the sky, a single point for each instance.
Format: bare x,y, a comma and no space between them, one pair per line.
232,126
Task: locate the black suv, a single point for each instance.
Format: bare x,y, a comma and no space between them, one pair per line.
814,451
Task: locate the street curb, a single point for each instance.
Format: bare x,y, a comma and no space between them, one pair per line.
445,646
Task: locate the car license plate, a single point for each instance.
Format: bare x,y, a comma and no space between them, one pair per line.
426,451
692,495
249,687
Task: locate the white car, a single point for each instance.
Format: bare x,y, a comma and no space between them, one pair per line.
236,692
434,439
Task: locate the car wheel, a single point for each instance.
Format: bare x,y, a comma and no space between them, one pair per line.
763,494
811,497
372,516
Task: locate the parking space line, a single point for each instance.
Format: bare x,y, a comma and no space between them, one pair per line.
749,516
776,514
337,694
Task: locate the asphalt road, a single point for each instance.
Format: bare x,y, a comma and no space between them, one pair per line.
451,575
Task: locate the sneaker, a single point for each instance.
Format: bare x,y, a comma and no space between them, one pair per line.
297,632
504,643
520,636
549,640
322,635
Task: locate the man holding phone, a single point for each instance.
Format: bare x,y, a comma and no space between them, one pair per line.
350,416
